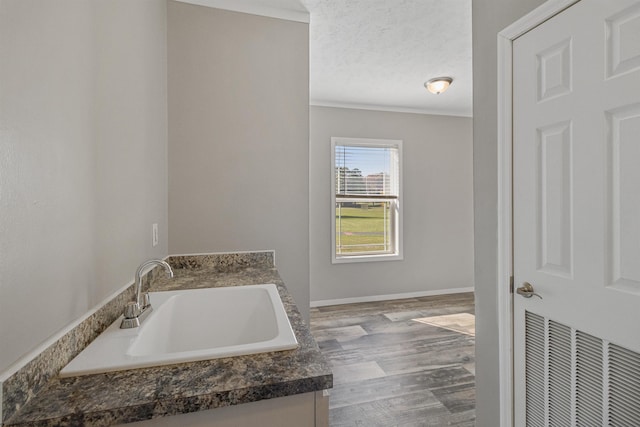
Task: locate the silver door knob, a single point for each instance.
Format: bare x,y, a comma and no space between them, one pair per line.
526,290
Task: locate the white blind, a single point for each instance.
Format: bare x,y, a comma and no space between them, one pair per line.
367,171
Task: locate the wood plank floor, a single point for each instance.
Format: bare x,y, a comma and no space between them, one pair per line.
402,363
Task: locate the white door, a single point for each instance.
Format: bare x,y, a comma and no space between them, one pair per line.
576,216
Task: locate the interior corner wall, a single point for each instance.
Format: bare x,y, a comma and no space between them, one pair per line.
83,158
239,137
437,204
489,18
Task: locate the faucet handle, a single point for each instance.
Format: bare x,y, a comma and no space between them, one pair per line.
146,301
131,310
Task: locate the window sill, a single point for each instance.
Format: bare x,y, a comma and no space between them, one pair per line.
366,258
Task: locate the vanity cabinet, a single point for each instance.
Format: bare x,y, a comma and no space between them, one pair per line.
299,410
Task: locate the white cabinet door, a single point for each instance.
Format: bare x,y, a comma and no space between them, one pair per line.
576,111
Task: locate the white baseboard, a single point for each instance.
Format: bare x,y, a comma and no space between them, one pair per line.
372,298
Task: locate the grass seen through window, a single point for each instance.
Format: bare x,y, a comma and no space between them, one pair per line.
362,227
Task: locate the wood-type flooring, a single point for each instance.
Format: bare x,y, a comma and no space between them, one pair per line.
406,362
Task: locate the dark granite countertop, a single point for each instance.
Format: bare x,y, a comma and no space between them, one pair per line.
141,394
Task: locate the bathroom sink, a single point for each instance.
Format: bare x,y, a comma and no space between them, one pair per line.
191,325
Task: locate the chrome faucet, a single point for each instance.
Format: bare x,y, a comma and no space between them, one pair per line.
136,311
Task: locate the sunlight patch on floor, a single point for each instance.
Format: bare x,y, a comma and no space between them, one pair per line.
465,323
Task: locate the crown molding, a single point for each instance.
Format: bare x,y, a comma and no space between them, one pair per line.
254,9
391,109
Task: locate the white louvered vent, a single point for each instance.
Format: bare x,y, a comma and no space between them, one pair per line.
559,375
535,375
576,379
624,387
589,380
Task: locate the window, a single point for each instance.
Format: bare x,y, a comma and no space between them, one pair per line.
366,192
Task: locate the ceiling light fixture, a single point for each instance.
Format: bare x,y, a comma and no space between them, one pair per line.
438,85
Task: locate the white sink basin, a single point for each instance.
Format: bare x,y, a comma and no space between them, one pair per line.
190,325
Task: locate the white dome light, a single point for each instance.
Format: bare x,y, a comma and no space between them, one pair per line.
438,85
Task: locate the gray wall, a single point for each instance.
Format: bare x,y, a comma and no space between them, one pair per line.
489,17
438,209
238,137
83,166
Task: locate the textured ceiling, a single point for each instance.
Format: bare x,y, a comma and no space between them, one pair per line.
378,53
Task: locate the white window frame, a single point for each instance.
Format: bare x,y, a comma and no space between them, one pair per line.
397,232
